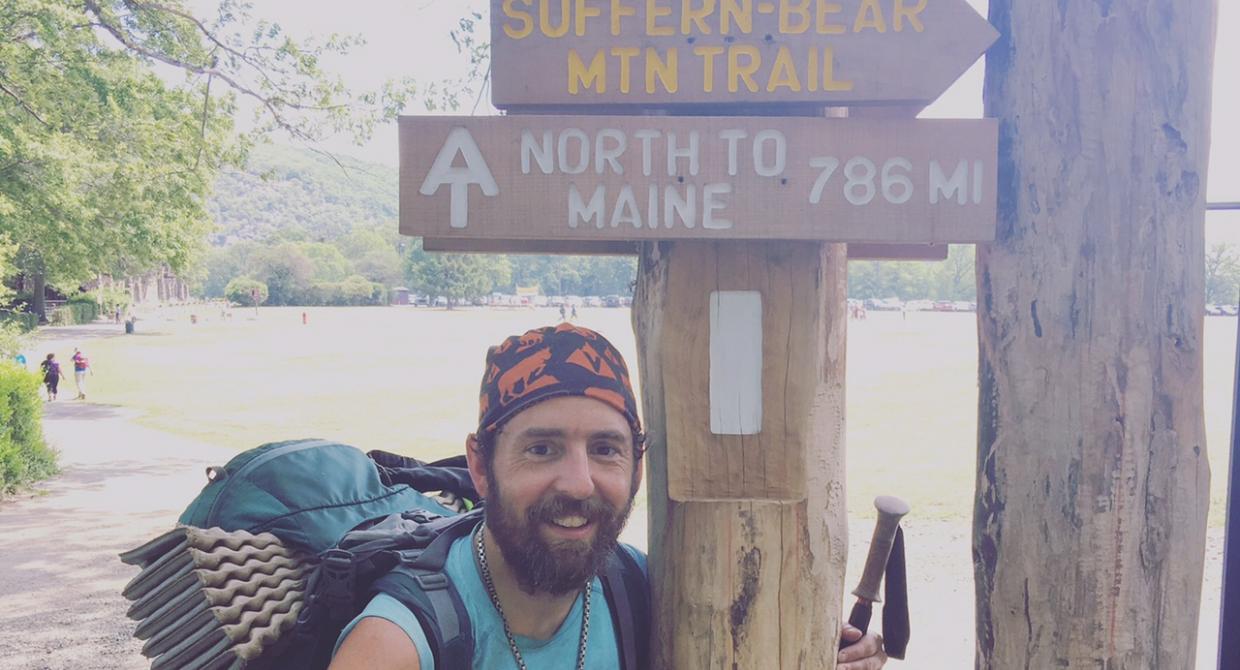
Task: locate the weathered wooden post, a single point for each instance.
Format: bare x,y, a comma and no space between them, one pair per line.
1089,528
700,136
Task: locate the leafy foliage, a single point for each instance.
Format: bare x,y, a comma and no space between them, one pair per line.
24,456
1222,275
243,290
952,279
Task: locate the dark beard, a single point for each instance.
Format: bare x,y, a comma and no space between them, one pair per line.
554,568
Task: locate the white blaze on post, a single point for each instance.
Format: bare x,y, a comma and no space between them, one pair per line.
476,171
735,362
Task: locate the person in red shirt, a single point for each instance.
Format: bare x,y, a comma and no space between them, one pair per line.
81,366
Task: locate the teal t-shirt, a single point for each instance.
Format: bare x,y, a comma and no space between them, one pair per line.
491,650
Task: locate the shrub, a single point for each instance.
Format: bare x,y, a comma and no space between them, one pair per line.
24,321
109,299
73,312
241,290
24,456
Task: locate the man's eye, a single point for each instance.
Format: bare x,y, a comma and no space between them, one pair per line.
539,450
606,450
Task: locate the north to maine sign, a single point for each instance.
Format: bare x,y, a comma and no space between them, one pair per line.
661,53
598,178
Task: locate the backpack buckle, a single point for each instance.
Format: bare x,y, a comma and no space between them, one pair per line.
338,576
432,581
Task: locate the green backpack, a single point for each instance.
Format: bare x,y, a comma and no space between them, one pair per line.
288,542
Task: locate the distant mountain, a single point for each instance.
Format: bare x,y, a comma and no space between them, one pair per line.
296,191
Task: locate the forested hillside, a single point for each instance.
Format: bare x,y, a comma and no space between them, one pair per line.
287,190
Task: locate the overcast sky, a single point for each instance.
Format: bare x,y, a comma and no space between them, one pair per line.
410,38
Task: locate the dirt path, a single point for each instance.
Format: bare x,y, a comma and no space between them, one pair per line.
60,603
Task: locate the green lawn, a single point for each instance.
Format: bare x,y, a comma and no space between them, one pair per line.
406,379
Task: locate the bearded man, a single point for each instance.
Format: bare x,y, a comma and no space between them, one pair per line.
557,457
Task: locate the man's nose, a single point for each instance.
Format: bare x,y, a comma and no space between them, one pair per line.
575,478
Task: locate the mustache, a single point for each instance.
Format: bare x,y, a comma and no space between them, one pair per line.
592,508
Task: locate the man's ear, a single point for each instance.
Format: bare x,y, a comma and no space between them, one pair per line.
477,466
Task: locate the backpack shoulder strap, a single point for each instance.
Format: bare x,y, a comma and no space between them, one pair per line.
420,583
628,594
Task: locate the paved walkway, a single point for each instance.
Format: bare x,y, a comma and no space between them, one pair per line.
60,603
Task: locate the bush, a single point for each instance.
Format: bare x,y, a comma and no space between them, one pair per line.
109,299
73,312
24,456
240,291
24,321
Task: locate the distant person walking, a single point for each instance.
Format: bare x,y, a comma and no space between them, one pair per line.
563,313
81,366
51,375
21,360
574,316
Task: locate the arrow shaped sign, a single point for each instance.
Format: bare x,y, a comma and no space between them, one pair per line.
661,53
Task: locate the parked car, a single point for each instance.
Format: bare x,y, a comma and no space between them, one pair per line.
611,301
964,306
944,306
920,305
1214,310
592,301
1229,310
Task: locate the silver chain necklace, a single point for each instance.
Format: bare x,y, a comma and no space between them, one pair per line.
480,553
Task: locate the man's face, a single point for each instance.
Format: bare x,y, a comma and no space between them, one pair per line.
559,488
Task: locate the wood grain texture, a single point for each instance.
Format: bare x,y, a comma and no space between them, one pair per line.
861,51
1093,484
856,252
749,573
595,179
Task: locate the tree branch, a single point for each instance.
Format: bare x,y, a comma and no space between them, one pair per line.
22,103
272,104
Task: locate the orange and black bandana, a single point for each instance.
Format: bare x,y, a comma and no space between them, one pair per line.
549,362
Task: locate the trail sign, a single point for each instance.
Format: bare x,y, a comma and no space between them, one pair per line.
598,178
661,53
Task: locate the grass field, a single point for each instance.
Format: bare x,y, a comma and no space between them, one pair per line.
406,379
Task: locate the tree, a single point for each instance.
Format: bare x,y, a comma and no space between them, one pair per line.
454,276
286,270
1222,275
1092,475
246,291
104,167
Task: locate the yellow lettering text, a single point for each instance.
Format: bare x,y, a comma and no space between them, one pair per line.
829,82
789,10
618,11
696,16
526,19
708,66
580,76
813,69
901,12
544,18
738,71
870,15
739,12
655,11
583,12
667,71
783,73
626,56
825,27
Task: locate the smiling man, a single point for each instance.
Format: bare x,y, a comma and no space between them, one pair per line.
557,456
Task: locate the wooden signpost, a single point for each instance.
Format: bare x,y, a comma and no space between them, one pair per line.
669,53
739,223
650,178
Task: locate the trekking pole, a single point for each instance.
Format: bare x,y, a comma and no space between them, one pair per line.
886,556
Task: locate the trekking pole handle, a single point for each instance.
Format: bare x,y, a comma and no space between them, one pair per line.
890,511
